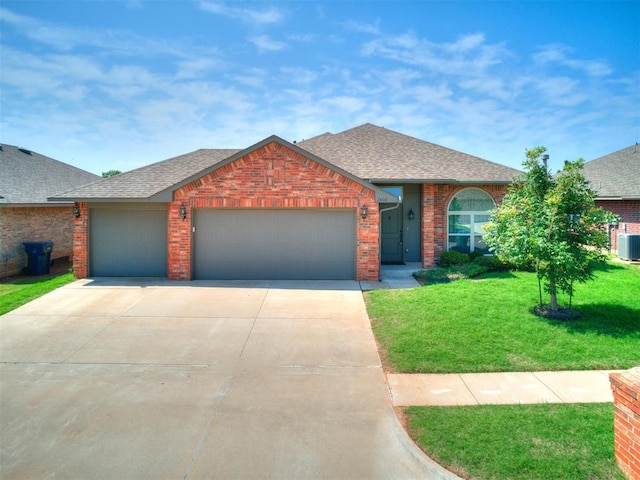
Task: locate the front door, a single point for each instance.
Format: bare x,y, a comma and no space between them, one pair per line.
391,248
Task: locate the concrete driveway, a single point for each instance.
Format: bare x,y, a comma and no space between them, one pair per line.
126,379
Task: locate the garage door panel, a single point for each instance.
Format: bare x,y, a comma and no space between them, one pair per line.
128,243
274,244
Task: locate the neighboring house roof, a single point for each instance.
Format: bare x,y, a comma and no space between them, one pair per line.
380,155
617,175
365,154
28,178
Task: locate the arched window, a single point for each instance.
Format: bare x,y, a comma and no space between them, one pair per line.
468,213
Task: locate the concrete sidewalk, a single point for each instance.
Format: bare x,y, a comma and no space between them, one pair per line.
394,277
500,388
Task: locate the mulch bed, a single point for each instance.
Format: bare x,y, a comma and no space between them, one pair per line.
562,314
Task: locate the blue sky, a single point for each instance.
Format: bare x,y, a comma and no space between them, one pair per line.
119,84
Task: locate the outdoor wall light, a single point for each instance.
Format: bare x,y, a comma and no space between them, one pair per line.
363,211
183,212
411,215
76,211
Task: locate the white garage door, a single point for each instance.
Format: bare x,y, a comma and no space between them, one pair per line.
274,244
127,242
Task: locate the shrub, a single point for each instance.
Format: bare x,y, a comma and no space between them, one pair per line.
476,254
450,258
474,269
492,263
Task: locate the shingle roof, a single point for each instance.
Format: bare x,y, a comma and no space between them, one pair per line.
379,154
28,178
145,182
367,152
616,175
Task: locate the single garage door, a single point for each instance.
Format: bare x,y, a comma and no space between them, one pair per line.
128,243
274,244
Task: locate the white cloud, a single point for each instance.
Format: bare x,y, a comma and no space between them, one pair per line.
265,44
195,67
360,27
299,75
249,77
562,91
302,37
558,54
266,16
470,55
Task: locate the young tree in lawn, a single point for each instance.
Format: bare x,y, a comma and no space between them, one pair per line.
552,224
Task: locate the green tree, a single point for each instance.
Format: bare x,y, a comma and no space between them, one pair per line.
111,173
551,224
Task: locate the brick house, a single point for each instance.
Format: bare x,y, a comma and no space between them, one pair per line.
335,206
616,178
26,180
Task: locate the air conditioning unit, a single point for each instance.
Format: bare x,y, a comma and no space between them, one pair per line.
629,246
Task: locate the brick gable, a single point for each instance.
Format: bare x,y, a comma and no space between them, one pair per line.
273,176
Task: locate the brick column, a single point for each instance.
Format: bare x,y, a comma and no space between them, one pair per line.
368,242
626,421
179,242
81,242
428,226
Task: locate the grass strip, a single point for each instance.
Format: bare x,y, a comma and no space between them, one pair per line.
519,442
15,294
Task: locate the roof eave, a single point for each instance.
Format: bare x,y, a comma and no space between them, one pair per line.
57,203
619,197
439,181
112,199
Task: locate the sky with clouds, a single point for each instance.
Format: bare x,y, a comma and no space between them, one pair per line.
119,84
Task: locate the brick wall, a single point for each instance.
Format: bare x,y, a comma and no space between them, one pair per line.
274,176
33,224
629,212
626,423
435,202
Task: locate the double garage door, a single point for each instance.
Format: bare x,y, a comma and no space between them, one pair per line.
227,244
274,244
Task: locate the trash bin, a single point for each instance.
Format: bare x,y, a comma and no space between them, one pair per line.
39,254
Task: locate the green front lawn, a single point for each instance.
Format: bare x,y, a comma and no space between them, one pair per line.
519,442
19,292
487,325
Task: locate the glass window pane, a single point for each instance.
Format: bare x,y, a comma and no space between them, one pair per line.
480,245
397,191
479,222
460,224
471,200
459,243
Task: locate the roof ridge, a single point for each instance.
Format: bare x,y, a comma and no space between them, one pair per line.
617,152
